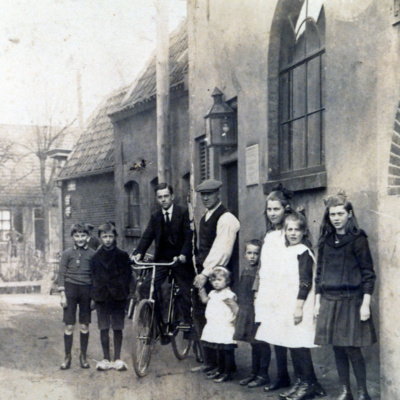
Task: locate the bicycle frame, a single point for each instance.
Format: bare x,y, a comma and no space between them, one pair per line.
142,345
172,294
143,265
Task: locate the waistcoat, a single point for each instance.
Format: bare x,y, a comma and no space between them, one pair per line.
208,233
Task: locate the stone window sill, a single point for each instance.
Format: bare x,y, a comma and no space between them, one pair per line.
308,181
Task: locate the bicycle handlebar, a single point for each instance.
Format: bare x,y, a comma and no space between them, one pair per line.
152,264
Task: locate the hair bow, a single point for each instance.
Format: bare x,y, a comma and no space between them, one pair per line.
341,196
301,210
286,192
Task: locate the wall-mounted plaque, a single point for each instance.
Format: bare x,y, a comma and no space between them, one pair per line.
252,165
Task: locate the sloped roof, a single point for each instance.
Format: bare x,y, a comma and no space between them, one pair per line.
94,151
144,88
19,168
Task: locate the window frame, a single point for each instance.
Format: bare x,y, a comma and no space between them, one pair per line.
307,176
204,158
4,232
133,203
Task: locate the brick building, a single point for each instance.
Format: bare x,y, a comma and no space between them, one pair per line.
87,178
135,165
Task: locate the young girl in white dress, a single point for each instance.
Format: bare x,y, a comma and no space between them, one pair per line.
277,208
218,332
269,288
293,322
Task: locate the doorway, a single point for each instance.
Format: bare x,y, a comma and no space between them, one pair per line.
229,175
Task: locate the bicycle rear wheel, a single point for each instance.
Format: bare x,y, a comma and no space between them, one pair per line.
180,345
142,337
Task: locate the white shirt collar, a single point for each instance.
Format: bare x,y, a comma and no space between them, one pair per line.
210,212
169,211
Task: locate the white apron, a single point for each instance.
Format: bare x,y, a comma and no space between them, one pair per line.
277,295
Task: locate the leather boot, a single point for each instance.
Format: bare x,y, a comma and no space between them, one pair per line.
362,394
345,393
293,389
67,362
305,391
83,361
279,384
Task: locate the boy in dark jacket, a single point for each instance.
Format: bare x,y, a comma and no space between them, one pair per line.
111,274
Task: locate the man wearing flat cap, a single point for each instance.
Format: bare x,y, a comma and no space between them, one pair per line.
217,235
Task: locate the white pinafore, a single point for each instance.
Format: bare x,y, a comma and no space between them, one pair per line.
277,295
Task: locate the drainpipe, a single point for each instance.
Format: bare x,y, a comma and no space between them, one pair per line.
162,74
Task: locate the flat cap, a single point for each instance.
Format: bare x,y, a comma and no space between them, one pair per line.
209,185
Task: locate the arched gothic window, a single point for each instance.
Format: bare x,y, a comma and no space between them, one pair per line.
301,89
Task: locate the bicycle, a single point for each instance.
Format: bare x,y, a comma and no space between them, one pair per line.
145,331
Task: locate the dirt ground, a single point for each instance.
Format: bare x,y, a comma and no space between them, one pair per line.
31,350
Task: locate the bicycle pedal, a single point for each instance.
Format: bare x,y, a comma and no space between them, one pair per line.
184,327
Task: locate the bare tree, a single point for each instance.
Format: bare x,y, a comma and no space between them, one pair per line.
10,161
47,138
43,139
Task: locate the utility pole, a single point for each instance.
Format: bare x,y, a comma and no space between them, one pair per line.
162,74
79,92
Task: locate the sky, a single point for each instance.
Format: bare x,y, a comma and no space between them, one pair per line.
45,43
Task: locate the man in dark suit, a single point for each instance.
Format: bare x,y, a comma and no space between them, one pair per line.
170,230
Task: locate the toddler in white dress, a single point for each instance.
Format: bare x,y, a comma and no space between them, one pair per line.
218,333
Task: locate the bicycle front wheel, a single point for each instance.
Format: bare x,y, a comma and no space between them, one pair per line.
142,337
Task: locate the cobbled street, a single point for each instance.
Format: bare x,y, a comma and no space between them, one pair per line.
31,350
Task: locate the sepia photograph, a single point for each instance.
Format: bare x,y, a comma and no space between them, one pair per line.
200,199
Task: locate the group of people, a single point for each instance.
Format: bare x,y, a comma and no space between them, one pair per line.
94,279
290,299
287,297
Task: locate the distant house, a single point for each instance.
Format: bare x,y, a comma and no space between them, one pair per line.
135,129
22,227
87,178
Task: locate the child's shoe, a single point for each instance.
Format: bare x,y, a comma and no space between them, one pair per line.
104,365
119,365
246,381
362,394
223,378
345,393
319,390
257,382
213,374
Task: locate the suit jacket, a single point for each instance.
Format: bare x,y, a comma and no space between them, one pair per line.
180,230
111,273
